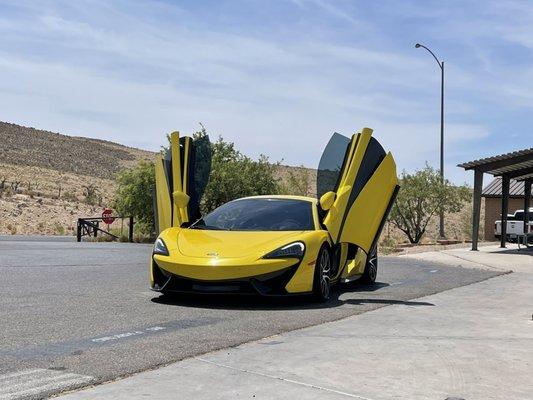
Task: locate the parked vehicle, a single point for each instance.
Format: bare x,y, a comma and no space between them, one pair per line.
515,225
274,245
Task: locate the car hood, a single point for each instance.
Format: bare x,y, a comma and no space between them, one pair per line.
231,244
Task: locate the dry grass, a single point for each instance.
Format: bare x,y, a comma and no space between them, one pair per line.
24,215
44,178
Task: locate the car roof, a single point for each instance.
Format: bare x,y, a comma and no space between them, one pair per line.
282,196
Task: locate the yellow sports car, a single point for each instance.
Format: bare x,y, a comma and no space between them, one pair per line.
272,245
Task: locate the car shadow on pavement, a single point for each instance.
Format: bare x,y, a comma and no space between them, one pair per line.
523,251
387,302
297,302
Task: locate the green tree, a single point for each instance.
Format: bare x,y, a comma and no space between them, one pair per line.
134,195
420,198
296,181
235,175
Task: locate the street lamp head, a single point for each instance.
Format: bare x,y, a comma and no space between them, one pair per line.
417,45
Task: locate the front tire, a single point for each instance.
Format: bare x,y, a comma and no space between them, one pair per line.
322,276
371,267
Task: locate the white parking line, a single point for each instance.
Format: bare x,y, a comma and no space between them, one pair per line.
125,335
20,384
433,271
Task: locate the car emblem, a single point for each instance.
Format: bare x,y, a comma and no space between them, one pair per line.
212,254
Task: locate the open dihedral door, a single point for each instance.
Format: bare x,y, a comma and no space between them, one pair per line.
181,175
363,177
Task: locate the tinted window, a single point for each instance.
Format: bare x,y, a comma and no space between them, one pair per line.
519,216
260,215
199,170
331,163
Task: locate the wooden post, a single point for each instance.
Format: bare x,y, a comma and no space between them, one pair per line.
131,230
78,234
505,208
476,211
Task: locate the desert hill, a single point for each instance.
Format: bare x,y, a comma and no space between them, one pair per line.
20,145
48,180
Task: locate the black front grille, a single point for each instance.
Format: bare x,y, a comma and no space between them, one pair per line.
268,285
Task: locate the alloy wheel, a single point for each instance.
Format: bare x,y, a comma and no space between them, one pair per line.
325,269
373,266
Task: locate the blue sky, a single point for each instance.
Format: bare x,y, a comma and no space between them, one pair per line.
276,77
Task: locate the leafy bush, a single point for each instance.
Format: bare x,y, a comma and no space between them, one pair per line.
134,195
59,229
234,175
421,196
69,196
297,182
92,195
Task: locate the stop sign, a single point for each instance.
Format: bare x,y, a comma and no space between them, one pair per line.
107,216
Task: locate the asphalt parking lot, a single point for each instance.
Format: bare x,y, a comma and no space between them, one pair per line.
76,314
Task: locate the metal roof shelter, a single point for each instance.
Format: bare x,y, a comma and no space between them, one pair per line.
517,165
494,188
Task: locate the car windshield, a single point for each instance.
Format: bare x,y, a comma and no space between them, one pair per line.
260,214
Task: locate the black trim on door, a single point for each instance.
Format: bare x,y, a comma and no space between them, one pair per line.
385,216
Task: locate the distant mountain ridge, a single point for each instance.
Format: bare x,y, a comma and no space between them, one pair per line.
25,146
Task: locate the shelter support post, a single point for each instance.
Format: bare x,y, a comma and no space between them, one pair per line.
505,208
478,186
527,203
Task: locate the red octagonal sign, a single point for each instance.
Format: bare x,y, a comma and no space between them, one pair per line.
107,216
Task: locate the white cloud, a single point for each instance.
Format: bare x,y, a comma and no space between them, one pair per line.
132,71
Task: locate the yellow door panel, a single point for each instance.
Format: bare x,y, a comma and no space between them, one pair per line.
181,178
177,217
162,196
365,215
356,152
364,190
185,175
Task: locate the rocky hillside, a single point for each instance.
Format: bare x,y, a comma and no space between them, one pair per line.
49,180
24,146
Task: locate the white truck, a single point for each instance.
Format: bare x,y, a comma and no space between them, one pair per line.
515,226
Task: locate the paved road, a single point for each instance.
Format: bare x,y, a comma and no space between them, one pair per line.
73,314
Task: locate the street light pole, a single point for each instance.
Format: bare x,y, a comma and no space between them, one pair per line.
441,66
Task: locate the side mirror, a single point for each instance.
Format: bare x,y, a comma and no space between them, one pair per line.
327,200
181,199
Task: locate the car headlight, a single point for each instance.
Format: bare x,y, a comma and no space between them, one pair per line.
160,247
292,250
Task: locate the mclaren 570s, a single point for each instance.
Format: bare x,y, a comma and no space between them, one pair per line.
272,245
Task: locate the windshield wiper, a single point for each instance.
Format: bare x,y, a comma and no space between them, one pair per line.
200,224
208,228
